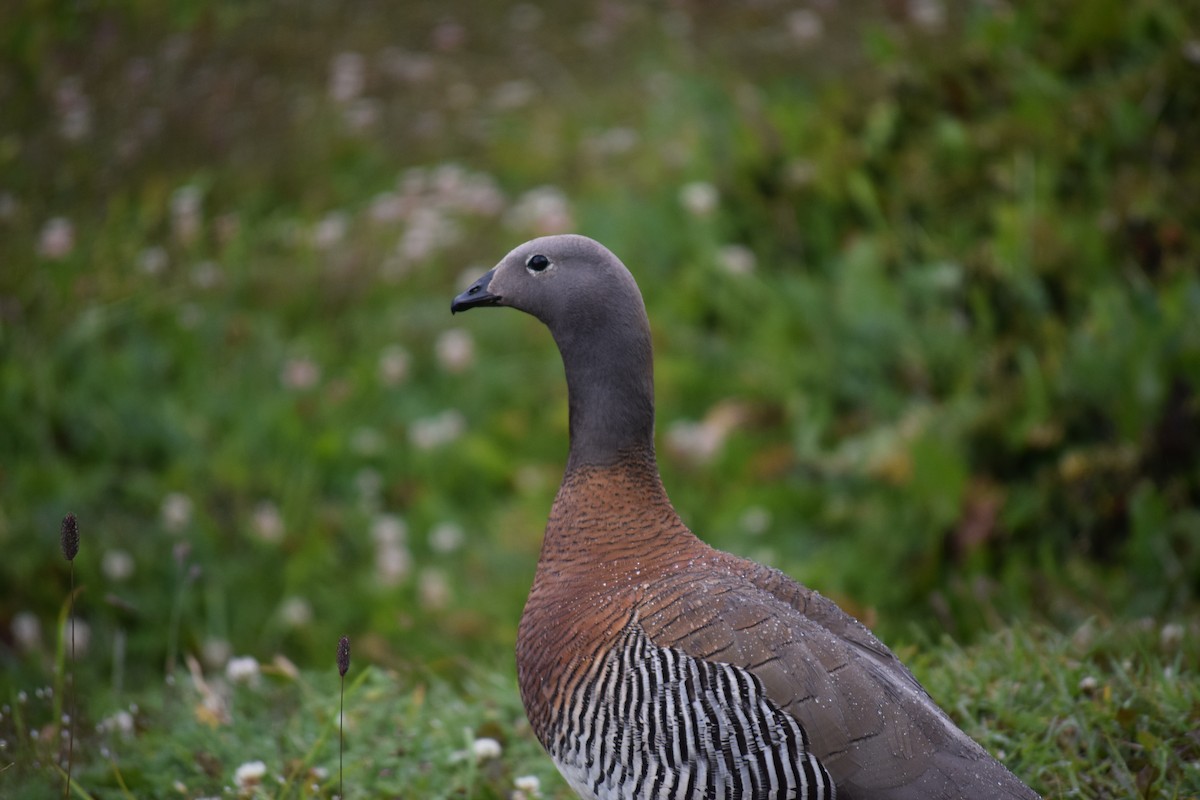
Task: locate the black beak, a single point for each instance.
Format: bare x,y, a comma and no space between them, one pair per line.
476,295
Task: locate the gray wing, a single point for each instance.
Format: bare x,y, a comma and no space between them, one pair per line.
868,720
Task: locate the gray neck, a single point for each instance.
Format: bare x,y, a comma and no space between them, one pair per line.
610,387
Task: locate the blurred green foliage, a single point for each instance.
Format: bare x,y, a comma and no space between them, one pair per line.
923,289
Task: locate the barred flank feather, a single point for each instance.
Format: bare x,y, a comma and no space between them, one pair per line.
653,722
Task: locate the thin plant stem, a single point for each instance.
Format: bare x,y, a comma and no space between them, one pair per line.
70,686
343,665
68,540
341,735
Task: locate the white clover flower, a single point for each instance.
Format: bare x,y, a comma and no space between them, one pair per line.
387,207
82,636
152,260
393,365
74,109
485,748
528,786
389,529
347,77
296,612
120,722
699,198
243,669
216,652
927,14
186,202
737,259
513,94
393,564
249,775
755,520
1171,636
26,631
440,429
694,442
331,230
117,565
455,350
446,537
369,484
57,238
267,522
176,511
206,275
300,373
434,590
362,114
543,211
805,26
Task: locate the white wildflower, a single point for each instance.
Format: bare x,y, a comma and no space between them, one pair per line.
347,77
514,94
927,14
331,230
805,26
26,631
1171,635
437,430
206,275
267,522
82,637
249,775
120,722
57,238
296,612
756,520
433,588
393,564
186,209
242,669
528,787
300,373
74,109
699,198
485,748
176,511
389,529
393,365
455,350
117,565
542,211
216,652
736,259
152,260
362,114
446,537
449,35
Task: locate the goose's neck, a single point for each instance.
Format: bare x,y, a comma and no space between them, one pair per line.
610,389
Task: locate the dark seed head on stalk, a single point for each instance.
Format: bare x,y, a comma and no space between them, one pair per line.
343,655
69,537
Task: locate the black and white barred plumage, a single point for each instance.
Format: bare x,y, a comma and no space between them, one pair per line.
653,722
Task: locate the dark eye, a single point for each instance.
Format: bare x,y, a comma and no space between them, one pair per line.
537,263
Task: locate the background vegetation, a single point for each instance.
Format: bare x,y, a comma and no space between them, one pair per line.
924,290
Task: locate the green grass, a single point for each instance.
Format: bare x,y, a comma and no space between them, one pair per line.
1109,711
928,281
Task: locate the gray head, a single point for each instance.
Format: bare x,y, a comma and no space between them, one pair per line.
592,306
566,281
